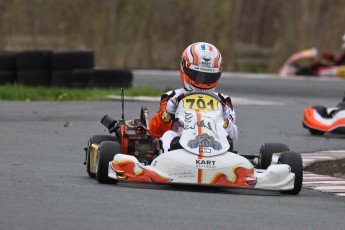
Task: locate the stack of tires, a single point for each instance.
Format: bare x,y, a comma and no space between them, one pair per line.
105,78
59,69
33,68
7,67
65,63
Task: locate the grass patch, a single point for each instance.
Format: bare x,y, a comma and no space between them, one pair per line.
16,92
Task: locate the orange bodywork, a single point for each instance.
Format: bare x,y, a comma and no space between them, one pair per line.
310,121
242,178
125,170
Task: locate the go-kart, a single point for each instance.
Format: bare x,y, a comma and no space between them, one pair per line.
320,120
203,154
291,68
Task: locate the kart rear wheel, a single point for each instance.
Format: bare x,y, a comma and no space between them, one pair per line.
106,153
266,152
95,139
294,160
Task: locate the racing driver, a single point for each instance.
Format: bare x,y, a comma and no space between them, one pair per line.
200,70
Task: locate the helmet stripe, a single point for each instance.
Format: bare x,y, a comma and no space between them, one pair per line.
190,54
195,55
215,63
220,62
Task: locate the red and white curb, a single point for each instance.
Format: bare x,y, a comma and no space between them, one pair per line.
323,183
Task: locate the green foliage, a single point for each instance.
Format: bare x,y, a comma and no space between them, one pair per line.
17,92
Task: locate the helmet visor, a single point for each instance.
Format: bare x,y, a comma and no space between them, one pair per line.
202,75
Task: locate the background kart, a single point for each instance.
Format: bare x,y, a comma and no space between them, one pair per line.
134,155
291,68
319,119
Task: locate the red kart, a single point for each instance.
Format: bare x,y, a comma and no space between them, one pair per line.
291,68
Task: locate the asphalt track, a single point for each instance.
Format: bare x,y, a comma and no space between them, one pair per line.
44,185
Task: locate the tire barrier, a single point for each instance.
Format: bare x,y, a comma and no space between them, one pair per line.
33,77
105,78
7,77
63,63
8,60
81,78
33,60
59,69
62,78
7,67
69,60
33,68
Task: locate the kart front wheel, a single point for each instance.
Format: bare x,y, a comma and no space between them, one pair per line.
294,160
106,153
316,132
95,139
266,152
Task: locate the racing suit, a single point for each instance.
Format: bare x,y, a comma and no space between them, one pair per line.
161,122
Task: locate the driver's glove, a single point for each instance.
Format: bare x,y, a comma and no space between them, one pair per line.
166,117
226,110
226,122
228,116
173,103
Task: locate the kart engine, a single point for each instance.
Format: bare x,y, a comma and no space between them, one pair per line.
145,151
134,137
140,142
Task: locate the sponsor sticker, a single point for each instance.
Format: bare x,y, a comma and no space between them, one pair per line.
207,164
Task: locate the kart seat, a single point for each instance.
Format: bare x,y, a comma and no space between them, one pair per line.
175,143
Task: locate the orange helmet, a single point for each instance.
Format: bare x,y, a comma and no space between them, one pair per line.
201,67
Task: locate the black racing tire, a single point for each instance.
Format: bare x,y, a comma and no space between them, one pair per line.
8,60
62,78
322,110
7,77
95,139
33,60
69,60
316,132
106,153
81,78
294,160
266,152
106,78
33,77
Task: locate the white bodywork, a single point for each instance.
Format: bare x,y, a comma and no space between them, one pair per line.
205,158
